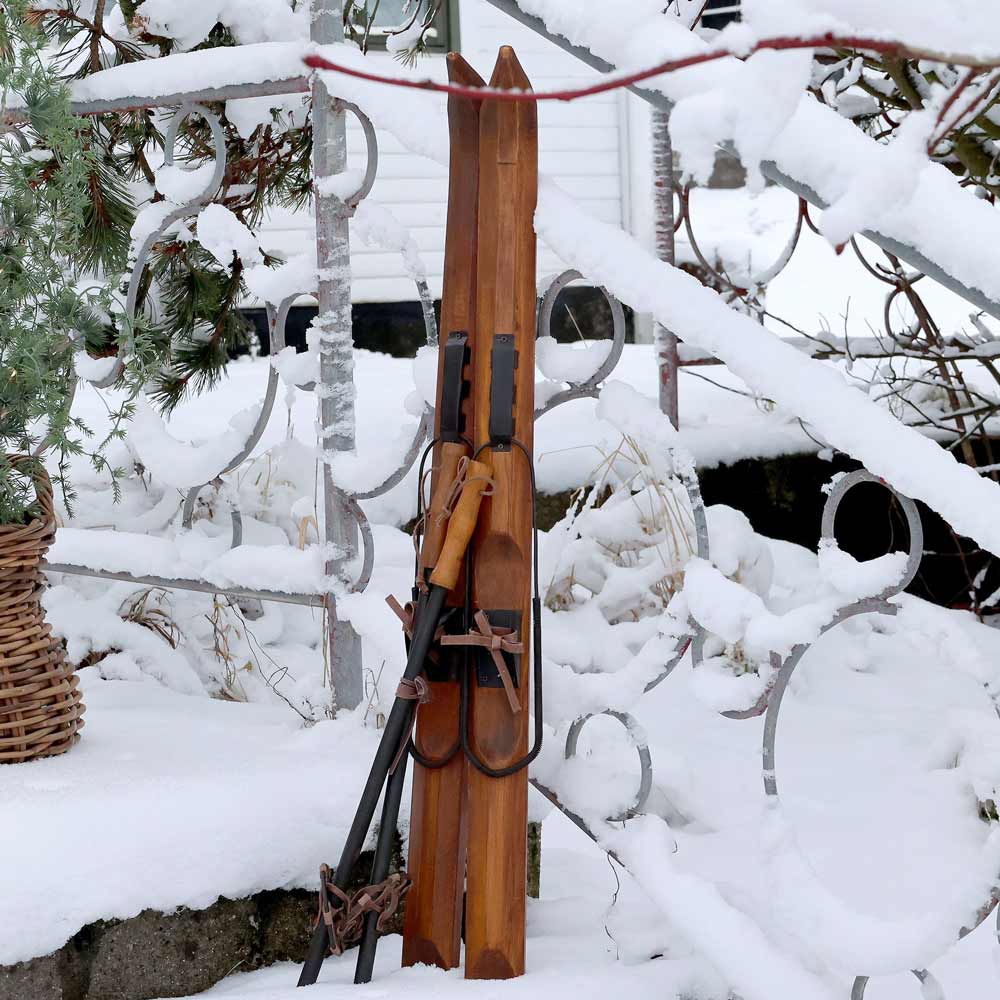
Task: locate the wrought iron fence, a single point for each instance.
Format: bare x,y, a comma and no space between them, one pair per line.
344,519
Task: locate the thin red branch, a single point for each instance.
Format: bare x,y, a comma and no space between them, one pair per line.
781,43
982,97
939,130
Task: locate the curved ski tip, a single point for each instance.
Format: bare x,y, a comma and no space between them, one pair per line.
508,72
461,72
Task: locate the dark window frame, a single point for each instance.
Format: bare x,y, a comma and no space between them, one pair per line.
445,21
719,13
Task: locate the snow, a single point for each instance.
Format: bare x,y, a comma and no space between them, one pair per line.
249,20
223,235
859,579
260,62
247,113
885,736
219,798
958,26
340,185
92,369
193,557
186,464
818,393
295,276
576,363
207,722
816,147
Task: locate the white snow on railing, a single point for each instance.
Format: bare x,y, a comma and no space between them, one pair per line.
191,71
815,392
194,556
812,144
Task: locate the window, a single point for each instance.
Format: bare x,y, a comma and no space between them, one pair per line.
719,13
392,15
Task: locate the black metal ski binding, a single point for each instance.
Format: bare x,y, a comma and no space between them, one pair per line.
503,362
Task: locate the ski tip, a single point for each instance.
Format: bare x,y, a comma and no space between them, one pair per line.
461,72
508,73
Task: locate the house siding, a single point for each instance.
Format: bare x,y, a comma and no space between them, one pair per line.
583,146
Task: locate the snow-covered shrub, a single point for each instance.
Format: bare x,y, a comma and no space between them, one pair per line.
622,550
627,538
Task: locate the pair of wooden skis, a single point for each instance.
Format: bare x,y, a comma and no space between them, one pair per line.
475,601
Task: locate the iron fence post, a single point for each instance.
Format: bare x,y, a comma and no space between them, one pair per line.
664,340
336,389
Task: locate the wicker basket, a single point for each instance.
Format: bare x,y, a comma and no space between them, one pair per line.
40,706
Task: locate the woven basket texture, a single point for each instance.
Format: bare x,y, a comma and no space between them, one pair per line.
40,706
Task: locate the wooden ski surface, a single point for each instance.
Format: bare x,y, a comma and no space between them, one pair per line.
502,545
437,842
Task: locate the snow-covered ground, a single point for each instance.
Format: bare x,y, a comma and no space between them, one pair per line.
209,745
887,741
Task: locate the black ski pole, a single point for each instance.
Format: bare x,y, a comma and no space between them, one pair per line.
427,615
380,867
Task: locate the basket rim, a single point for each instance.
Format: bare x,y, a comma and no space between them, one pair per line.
43,494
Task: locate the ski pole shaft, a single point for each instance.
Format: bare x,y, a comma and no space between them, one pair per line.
380,868
397,727
446,558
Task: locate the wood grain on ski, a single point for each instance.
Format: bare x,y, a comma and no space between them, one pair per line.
505,304
433,927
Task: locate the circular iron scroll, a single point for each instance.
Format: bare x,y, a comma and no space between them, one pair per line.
878,604
645,763
591,386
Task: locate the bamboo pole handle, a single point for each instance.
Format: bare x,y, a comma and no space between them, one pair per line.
461,525
436,523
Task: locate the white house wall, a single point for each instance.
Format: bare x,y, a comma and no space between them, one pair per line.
583,145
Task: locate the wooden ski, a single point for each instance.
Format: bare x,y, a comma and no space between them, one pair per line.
437,842
502,545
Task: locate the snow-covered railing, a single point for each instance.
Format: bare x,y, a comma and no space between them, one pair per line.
307,576
817,154
314,575
608,257
847,939
304,578
898,457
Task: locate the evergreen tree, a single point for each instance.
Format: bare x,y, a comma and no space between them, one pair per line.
188,308
45,317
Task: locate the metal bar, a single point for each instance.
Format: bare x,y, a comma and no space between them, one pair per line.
665,340
336,351
200,586
838,347
903,251
138,102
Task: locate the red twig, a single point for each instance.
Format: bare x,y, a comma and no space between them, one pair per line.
940,132
782,43
982,97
